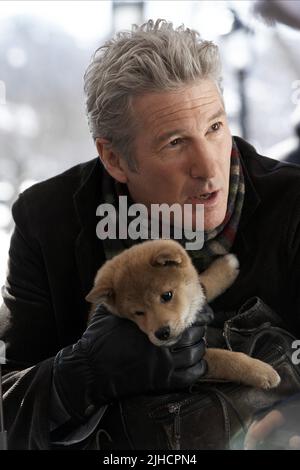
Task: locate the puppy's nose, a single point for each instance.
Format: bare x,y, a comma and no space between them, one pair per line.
163,333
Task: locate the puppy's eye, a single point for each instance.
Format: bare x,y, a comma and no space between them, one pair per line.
166,296
139,313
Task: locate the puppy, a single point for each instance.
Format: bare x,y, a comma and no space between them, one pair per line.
156,285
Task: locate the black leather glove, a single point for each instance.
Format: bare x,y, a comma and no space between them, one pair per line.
114,359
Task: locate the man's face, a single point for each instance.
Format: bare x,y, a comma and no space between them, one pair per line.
182,149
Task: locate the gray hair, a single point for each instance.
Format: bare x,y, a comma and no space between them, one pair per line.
151,57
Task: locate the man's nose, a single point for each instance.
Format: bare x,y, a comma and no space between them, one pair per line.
203,163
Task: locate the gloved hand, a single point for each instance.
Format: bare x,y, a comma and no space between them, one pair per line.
114,359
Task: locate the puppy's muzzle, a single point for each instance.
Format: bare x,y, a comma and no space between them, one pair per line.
163,333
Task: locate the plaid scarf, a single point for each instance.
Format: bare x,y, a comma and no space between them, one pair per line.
217,242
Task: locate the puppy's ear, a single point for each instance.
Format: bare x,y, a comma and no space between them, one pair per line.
100,293
103,290
167,257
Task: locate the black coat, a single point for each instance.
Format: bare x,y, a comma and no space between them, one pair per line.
54,255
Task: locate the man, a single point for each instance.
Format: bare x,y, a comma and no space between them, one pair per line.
156,113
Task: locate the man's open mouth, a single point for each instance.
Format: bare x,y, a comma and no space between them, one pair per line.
204,197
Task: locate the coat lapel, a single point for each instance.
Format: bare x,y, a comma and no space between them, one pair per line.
88,250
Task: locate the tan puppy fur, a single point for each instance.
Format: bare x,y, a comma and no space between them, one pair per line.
156,285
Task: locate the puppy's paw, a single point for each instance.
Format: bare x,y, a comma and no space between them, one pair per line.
263,375
232,262
220,275
229,266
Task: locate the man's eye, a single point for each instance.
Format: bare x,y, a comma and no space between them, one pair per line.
216,126
175,142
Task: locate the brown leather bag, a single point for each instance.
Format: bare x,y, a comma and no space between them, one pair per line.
212,414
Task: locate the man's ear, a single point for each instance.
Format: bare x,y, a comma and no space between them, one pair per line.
112,161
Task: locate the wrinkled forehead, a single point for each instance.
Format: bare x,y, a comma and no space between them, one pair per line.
167,109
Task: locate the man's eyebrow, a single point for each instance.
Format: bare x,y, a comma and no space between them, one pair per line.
217,114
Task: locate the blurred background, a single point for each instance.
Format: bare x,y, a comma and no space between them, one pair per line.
45,47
